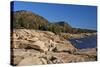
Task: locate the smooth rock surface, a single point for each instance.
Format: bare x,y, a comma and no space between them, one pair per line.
30,61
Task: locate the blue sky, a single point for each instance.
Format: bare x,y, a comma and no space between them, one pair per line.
77,16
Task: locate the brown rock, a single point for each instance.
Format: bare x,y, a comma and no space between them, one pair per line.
30,61
88,52
40,45
65,48
17,59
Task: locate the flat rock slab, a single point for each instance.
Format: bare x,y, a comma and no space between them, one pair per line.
25,53
30,61
67,58
89,52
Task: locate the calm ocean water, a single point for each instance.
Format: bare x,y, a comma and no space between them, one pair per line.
87,42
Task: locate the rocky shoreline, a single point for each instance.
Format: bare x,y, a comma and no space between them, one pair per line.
78,36
31,47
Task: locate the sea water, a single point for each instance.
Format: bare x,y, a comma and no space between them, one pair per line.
86,42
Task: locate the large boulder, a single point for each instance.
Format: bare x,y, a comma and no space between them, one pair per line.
39,45
66,47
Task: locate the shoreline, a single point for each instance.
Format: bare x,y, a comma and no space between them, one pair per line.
88,42
77,36
31,47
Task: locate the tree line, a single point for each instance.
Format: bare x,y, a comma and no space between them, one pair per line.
28,20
